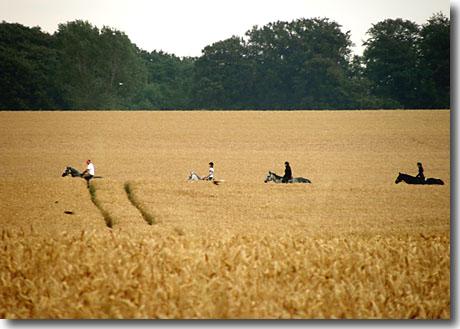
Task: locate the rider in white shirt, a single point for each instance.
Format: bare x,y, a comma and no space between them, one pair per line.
211,172
89,172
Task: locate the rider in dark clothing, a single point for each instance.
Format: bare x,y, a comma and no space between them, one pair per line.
287,173
420,175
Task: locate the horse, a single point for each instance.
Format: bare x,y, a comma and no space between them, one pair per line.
74,173
195,177
71,171
272,177
408,179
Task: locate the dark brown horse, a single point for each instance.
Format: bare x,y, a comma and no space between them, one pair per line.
408,179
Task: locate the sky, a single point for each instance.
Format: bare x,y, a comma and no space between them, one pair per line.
184,27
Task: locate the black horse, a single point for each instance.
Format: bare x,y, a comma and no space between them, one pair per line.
72,172
418,181
75,173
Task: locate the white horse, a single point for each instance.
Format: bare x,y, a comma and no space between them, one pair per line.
193,177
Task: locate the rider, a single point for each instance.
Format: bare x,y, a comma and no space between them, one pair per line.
89,172
287,173
210,176
420,174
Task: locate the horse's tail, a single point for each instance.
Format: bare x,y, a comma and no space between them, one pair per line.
303,180
434,181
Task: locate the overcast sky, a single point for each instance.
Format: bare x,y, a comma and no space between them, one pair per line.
185,27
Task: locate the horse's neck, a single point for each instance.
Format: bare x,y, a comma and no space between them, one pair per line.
275,177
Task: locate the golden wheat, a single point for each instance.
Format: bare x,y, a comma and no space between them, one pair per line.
247,276
350,245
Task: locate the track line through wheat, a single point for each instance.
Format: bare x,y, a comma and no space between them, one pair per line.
107,217
148,217
116,205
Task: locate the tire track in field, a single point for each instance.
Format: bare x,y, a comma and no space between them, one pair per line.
148,217
107,217
114,203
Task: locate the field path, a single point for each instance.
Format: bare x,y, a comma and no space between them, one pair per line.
113,200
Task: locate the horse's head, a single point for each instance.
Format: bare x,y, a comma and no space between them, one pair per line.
398,179
193,176
269,177
66,171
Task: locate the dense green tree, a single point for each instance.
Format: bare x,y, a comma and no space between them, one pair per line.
77,73
27,66
169,80
223,75
300,64
360,88
391,59
435,61
97,69
123,72
270,49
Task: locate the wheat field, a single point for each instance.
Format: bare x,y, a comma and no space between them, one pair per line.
144,243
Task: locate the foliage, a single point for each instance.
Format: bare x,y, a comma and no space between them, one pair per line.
304,61
97,69
168,81
302,64
435,60
27,64
223,75
409,63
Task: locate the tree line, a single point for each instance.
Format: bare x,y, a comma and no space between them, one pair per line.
302,64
